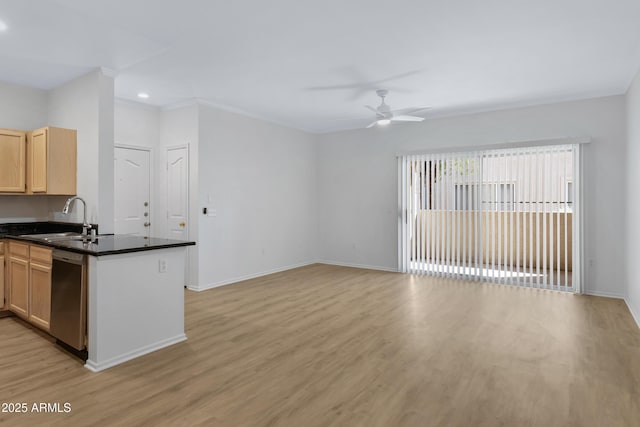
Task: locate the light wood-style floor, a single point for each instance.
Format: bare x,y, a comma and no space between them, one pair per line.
335,346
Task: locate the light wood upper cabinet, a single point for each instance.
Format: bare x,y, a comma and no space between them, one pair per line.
19,278
38,161
52,161
12,161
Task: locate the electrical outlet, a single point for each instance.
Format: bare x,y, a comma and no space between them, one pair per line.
162,266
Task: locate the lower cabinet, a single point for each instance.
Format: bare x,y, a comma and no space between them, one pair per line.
3,299
18,284
39,294
30,283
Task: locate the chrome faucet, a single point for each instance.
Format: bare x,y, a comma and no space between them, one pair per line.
85,225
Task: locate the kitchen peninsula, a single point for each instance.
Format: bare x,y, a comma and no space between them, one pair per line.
134,288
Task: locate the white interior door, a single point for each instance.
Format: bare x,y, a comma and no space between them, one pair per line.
132,174
178,193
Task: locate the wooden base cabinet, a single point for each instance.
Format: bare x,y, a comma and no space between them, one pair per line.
3,300
30,283
19,279
40,263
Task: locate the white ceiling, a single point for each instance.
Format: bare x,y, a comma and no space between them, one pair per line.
312,65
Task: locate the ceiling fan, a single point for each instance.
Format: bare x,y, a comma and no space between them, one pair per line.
385,115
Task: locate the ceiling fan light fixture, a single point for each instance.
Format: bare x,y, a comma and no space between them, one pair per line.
385,115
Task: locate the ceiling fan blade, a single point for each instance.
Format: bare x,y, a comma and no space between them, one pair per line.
372,124
371,108
410,110
397,77
406,119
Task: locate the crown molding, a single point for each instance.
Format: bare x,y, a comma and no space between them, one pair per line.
134,103
108,72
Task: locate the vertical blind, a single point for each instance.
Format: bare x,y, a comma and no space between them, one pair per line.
508,216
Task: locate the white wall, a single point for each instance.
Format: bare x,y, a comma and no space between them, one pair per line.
136,124
22,108
357,180
86,104
261,180
632,252
106,182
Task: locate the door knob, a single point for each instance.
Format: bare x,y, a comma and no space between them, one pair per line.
147,224
146,214
182,224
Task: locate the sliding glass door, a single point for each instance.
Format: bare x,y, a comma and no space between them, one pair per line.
507,215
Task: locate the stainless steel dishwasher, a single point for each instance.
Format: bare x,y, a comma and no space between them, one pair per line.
68,298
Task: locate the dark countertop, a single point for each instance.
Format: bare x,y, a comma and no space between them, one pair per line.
109,244
101,245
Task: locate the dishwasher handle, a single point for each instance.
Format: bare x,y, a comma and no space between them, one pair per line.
66,256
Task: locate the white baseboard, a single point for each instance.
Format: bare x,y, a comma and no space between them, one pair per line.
231,281
603,294
634,313
101,366
364,266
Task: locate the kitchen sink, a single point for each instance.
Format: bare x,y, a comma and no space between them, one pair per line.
54,237
58,239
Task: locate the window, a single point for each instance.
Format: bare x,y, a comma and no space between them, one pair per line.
466,195
495,197
460,215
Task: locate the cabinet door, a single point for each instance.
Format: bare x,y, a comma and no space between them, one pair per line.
62,161
2,301
40,294
12,161
38,161
19,286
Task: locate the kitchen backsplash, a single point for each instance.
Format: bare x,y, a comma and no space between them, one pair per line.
33,208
